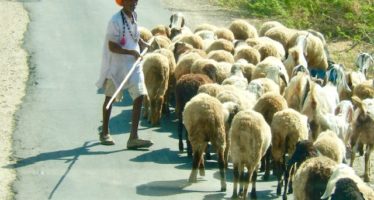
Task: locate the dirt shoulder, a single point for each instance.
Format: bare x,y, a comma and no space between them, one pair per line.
13,77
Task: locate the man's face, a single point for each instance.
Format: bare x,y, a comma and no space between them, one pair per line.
130,5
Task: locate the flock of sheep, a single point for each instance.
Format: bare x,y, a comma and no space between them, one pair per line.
270,98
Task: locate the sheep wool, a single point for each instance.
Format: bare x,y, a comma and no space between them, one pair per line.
243,30
250,139
312,176
203,118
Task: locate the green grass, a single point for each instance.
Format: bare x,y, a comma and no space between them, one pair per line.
336,19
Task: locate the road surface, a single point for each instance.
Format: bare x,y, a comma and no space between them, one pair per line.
56,137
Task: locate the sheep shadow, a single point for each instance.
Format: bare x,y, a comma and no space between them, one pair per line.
165,188
162,156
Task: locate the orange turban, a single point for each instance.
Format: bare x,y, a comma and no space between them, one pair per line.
119,2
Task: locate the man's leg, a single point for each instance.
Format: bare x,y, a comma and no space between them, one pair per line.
136,109
134,142
105,137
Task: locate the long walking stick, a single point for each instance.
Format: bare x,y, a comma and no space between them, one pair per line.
128,76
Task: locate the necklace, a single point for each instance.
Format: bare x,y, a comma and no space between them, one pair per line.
134,36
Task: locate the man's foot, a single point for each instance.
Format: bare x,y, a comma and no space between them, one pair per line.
106,139
138,143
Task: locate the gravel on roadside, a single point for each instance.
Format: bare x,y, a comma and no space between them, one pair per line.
13,77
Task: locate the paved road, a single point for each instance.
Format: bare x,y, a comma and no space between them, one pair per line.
55,141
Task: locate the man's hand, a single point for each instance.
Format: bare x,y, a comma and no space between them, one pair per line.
135,54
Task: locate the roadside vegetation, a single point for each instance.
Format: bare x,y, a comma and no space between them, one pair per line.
347,22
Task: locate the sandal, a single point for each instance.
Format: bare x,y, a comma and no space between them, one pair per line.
106,139
138,143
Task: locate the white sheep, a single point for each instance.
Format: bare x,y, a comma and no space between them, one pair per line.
203,118
236,78
319,105
363,62
345,172
274,69
250,139
261,86
363,130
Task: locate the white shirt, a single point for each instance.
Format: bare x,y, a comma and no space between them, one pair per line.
115,66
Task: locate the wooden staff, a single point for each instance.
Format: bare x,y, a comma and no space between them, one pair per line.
128,76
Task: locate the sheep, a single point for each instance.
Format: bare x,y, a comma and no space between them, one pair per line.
221,44
145,34
296,55
177,25
205,26
184,64
268,104
230,93
211,89
221,56
203,118
314,54
288,127
223,71
236,78
336,75
161,30
317,105
363,130
199,64
364,90
281,34
159,42
171,83
270,49
336,189
208,37
297,91
250,54
224,33
363,62
181,48
191,39
330,145
247,68
262,85
243,30
274,69
268,25
250,139
312,176
185,89
156,76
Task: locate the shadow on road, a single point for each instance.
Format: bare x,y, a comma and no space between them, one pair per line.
163,156
68,155
165,188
